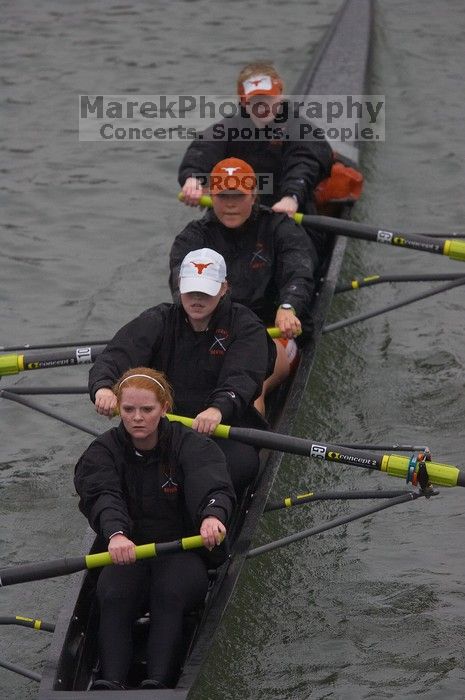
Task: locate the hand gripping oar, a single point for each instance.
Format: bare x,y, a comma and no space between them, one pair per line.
69,565
452,248
77,353
408,468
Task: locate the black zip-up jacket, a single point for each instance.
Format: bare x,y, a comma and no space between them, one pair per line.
223,367
158,495
270,261
296,164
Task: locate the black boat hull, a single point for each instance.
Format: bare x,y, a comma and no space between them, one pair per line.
339,67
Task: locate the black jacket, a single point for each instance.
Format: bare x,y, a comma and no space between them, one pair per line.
296,164
161,495
270,261
223,367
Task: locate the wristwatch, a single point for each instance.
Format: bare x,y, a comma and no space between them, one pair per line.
286,307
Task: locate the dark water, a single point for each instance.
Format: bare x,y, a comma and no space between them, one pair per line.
372,610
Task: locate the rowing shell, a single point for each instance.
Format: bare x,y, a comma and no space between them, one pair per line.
339,68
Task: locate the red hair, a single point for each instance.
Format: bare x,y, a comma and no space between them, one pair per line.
149,379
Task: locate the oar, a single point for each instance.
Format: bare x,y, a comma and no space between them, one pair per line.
451,248
292,501
343,520
50,346
17,398
394,465
20,670
12,364
397,305
21,621
69,565
57,390
77,353
371,280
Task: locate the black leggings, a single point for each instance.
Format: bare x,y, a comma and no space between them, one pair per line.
168,586
242,462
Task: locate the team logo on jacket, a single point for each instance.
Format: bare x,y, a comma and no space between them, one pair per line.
220,337
259,258
170,487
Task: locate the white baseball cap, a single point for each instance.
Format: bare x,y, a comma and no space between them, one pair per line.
202,270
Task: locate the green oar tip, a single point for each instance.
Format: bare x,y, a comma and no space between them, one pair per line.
455,249
11,364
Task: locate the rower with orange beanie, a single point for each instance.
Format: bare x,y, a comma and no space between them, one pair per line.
275,145
270,259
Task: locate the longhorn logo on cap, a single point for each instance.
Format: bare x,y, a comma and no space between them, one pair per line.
230,171
200,267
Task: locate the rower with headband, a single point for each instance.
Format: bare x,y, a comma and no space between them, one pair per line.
149,480
145,376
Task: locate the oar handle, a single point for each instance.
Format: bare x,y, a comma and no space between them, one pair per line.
206,201
222,431
146,551
70,565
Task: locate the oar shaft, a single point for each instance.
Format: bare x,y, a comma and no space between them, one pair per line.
303,498
75,354
395,465
42,570
453,249
20,670
337,325
17,398
31,622
27,347
12,364
69,565
343,520
371,280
